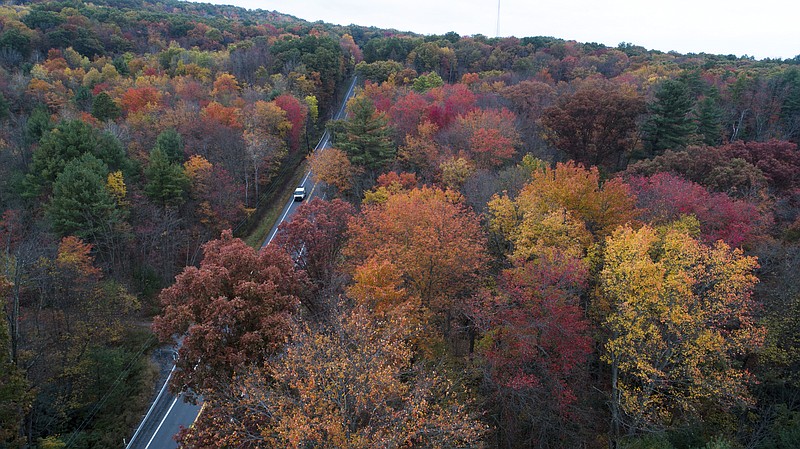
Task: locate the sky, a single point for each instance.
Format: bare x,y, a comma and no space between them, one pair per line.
761,28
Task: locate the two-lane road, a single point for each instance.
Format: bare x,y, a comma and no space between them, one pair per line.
309,182
169,413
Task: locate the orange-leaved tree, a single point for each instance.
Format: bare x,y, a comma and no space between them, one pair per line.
566,206
430,236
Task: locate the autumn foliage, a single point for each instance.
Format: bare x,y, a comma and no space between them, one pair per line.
430,236
664,198
525,243
680,320
233,310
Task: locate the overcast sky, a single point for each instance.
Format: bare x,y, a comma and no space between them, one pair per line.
759,28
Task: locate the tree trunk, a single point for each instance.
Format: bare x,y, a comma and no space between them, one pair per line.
615,412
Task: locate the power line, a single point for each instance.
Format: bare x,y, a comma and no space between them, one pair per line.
116,383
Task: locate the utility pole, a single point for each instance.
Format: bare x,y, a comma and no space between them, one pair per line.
497,33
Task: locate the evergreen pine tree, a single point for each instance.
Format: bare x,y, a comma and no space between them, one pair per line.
366,136
104,108
70,140
709,121
670,124
81,205
171,143
38,125
167,182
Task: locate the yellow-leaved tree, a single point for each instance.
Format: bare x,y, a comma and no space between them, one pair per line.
679,322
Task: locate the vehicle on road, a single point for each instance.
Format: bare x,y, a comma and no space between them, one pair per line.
300,193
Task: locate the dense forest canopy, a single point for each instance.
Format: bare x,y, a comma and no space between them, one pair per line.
526,242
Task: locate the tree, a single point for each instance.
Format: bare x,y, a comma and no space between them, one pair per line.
406,114
217,198
664,198
353,384
167,183
38,125
535,344
670,123
332,167
266,127
170,143
4,106
709,121
81,205
448,102
455,172
421,151
136,99
14,394
225,86
234,310
315,235
296,113
486,136
431,237
105,108
595,125
70,140
679,320
427,82
711,167
567,204
365,136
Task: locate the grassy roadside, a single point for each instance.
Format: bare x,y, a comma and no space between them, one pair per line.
274,202
254,230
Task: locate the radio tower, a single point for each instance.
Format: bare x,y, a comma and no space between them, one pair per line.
497,33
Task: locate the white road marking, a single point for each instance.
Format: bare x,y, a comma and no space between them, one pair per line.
158,398
162,422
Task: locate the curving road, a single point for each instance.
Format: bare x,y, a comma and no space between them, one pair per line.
169,413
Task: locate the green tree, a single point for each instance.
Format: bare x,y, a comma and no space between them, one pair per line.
105,108
365,137
38,125
709,121
670,124
427,82
171,143
4,105
81,205
167,182
70,140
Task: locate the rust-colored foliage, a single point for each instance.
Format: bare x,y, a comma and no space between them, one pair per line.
597,124
136,99
315,236
233,310
332,167
352,384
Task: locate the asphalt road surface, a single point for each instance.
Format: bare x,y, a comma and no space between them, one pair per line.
168,413
309,182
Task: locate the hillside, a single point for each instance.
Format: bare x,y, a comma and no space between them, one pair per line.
526,242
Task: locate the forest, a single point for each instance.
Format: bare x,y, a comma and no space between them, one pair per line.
524,243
